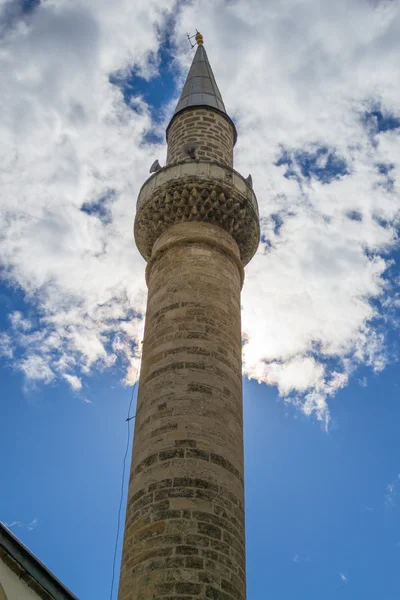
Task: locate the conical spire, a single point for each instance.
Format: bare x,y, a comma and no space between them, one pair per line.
200,88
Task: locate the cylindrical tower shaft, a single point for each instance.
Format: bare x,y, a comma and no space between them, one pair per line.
185,523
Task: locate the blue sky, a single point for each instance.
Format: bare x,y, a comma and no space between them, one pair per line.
81,124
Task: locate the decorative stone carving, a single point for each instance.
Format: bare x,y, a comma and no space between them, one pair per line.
192,199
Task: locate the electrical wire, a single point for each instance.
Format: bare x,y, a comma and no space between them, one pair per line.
128,421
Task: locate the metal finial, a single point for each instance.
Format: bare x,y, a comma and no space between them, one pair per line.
199,39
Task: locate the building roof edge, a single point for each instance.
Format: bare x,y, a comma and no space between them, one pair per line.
37,575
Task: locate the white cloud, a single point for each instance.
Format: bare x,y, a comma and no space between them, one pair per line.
343,577
67,139
19,322
35,368
6,346
300,77
294,75
74,381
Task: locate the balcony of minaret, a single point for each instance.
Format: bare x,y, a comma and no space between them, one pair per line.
197,190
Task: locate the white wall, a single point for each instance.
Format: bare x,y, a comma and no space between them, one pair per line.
14,588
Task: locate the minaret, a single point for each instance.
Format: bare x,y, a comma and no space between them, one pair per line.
197,226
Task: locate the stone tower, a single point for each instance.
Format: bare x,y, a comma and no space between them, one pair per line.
197,226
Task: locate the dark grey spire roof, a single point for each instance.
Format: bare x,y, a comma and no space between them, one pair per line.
200,88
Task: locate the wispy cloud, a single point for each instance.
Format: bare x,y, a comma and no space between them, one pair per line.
74,381
19,524
391,491
14,524
343,577
32,525
297,558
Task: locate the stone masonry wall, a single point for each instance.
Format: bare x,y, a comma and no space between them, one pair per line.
184,533
212,132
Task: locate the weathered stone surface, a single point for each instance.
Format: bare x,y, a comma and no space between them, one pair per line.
184,533
192,200
209,130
